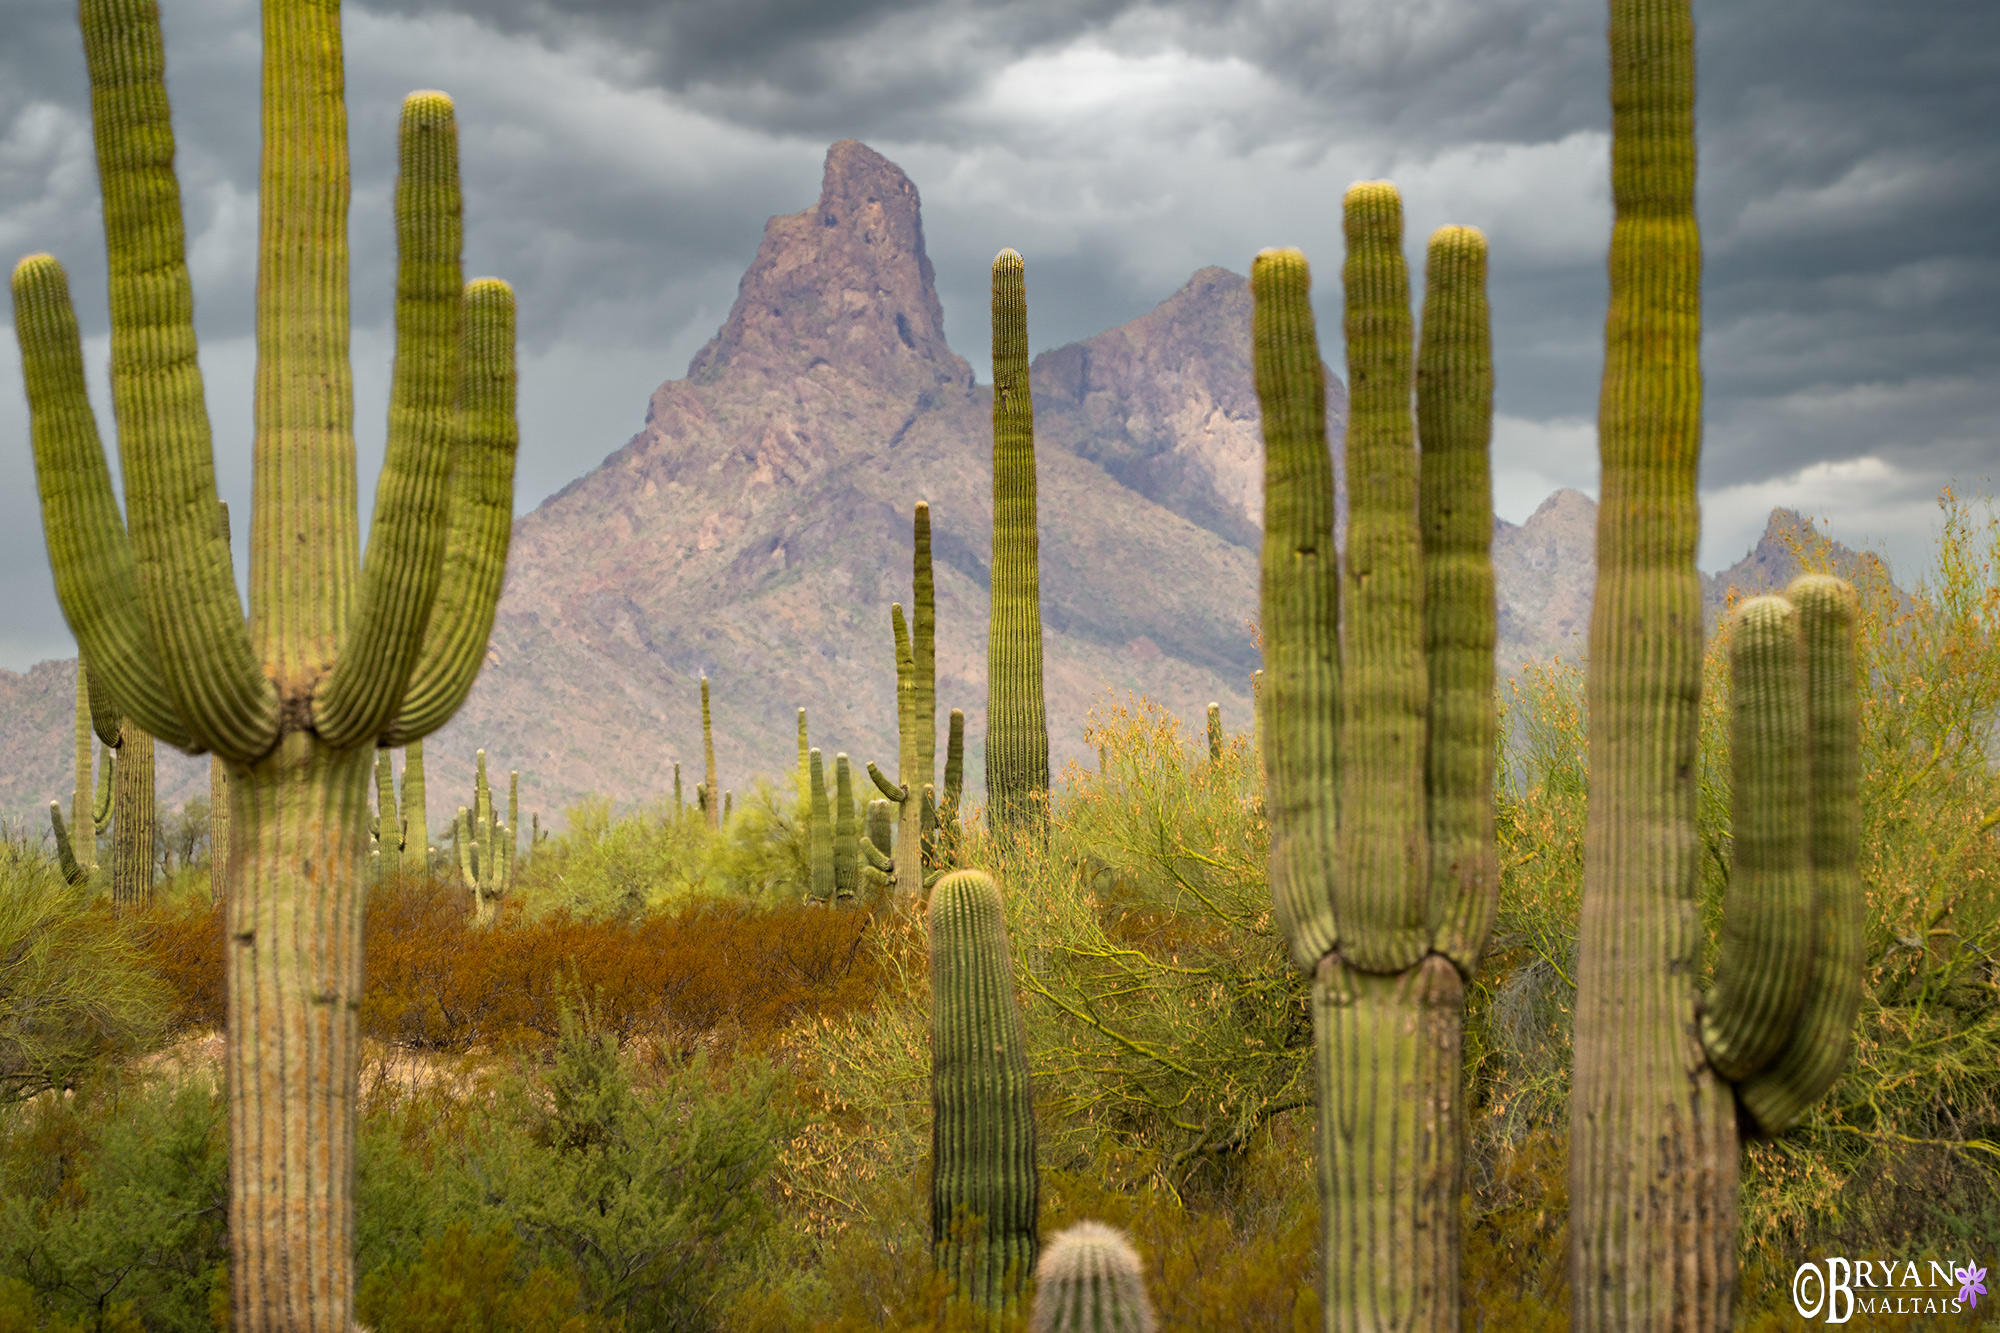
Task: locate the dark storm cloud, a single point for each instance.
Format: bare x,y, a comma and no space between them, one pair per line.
621,158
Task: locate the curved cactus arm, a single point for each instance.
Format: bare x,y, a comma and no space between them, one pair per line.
890,791
107,782
1300,699
217,687
1767,916
1455,511
65,850
1384,861
484,439
1812,1059
406,539
875,858
96,577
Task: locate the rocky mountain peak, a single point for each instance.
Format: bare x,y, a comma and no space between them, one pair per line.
845,286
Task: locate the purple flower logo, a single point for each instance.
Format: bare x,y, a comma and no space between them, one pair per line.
1972,1284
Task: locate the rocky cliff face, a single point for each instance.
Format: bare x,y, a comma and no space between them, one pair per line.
758,528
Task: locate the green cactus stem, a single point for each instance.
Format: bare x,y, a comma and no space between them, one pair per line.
923,645
1374,829
81,806
415,817
819,846
1653,1151
485,863
134,822
389,824
1090,1281
510,843
728,800
846,837
219,849
341,649
1214,733
985,1186
878,866
712,807
679,804
1017,728
1767,917
805,775
66,859
1816,1050
909,826
947,831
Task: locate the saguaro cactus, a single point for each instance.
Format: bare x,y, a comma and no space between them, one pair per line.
415,816
819,845
135,818
485,847
712,807
846,837
1017,727
1214,733
388,821
1089,1281
339,651
985,1187
218,779
81,811
878,865
1378,747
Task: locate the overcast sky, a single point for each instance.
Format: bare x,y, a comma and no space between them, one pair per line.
621,156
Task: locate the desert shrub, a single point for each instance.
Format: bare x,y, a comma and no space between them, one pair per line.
181,943
437,982
74,992
114,1204
652,1196
467,1283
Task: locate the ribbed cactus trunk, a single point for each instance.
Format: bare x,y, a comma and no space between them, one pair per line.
416,819
819,843
134,822
218,830
712,807
1214,733
338,654
909,817
805,774
923,662
985,1184
846,835
1090,1281
1653,1148
388,825
1017,728
1378,743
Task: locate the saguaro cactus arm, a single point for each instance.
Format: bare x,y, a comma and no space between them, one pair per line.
485,437
406,540
1461,626
1301,609
65,850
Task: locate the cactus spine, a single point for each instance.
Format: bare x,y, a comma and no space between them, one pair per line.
1377,746
711,807
985,1188
339,651
1089,1281
1017,729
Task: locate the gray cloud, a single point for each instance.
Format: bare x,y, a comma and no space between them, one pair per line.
621,157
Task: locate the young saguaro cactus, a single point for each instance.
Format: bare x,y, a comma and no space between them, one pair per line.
846,837
1090,1281
819,846
1017,726
985,1186
341,650
485,858
1378,746
712,808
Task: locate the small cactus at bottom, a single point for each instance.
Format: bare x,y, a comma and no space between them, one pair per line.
1089,1281
985,1185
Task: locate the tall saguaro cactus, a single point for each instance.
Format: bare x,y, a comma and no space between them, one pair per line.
341,650
415,813
1017,726
81,801
712,808
1378,744
135,818
1653,1141
985,1184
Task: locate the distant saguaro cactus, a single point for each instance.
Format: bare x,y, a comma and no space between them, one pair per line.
819,845
1378,739
846,837
1017,727
985,1184
712,807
